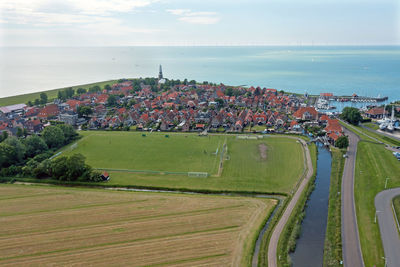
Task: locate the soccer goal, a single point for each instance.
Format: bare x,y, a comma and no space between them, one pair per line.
198,174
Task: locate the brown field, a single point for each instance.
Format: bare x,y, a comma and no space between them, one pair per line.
67,226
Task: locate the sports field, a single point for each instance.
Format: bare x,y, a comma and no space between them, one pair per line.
270,164
66,226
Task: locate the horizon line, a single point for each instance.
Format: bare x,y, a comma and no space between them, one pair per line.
206,45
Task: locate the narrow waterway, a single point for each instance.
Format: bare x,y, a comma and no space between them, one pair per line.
310,246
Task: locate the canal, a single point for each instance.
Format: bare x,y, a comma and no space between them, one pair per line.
310,245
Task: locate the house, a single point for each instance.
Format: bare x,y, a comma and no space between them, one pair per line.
68,118
105,176
333,131
295,126
306,114
13,109
34,125
376,113
49,111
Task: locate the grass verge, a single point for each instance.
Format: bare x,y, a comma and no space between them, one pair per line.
333,237
51,94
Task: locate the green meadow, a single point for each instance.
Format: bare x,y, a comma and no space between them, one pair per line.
270,164
51,94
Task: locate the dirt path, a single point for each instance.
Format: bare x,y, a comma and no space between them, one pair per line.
263,151
273,243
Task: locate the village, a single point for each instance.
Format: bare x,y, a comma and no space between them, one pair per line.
161,105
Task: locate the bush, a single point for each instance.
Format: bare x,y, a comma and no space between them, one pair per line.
53,136
342,142
351,115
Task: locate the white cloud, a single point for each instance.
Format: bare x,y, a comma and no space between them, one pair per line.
200,19
54,12
187,15
178,11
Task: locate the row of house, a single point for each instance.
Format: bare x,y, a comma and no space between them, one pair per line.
180,108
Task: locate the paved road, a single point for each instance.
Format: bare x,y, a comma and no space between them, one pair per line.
273,243
352,256
388,225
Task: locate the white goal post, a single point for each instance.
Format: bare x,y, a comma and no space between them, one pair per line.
198,174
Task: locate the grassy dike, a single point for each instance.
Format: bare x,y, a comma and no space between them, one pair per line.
374,163
333,237
291,231
51,94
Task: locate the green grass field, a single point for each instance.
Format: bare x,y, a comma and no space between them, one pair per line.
51,94
333,238
271,164
371,125
373,165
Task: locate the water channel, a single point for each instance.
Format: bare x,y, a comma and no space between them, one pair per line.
310,245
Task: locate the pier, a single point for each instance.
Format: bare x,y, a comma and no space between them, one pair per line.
352,98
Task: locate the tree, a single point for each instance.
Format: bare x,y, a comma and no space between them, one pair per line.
7,154
220,102
84,111
20,132
4,136
229,91
68,131
69,92
25,132
107,87
43,98
94,89
12,151
43,169
342,142
76,167
61,95
112,100
37,102
81,91
35,146
53,136
58,168
30,103
351,115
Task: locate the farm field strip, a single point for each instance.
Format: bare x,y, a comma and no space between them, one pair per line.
133,228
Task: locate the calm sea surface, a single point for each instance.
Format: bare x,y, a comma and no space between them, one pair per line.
368,71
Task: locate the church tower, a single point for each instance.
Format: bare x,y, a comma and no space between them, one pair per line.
160,76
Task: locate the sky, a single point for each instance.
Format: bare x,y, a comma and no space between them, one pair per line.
198,22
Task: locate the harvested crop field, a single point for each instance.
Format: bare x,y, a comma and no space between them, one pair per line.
68,226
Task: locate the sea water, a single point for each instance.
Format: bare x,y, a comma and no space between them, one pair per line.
367,71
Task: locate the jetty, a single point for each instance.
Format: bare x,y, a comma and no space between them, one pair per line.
352,98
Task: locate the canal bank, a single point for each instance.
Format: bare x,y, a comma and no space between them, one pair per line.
310,245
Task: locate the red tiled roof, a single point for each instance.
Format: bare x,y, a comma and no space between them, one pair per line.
299,113
376,111
48,111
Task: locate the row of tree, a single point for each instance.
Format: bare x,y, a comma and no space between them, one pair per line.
30,156
63,168
15,151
